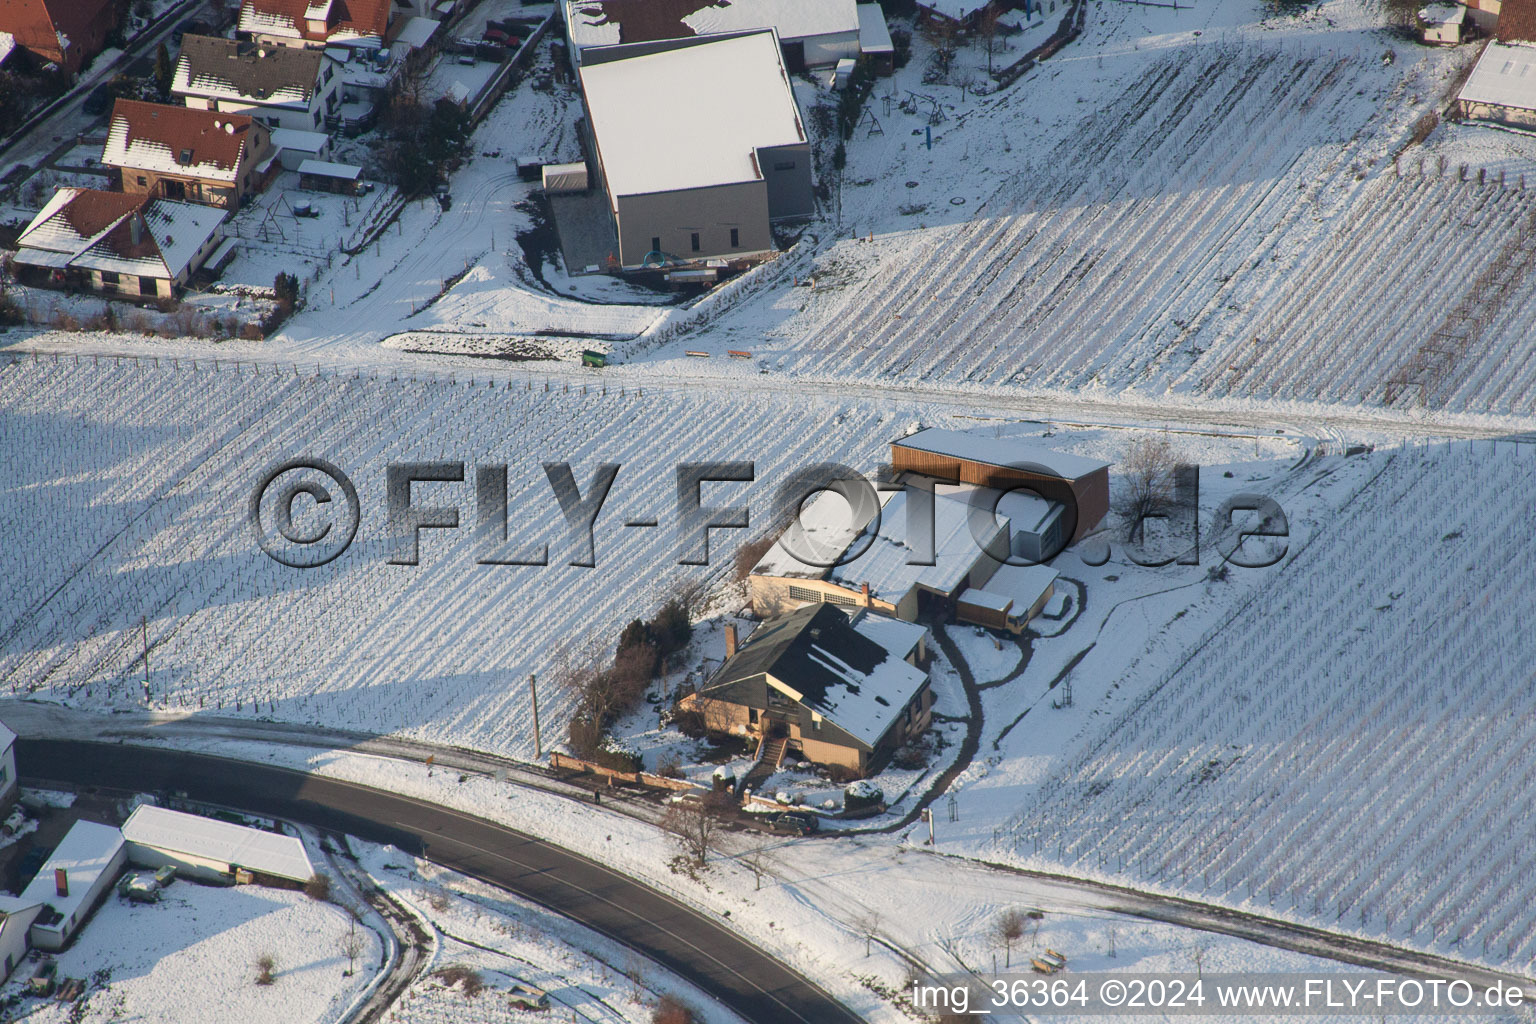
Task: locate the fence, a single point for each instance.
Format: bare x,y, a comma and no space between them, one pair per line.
565,762
1070,28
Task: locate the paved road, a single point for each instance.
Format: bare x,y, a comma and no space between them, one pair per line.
685,941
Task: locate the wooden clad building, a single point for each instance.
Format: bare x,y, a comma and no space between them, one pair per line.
1001,463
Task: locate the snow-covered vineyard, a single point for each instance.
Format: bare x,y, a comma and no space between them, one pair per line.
127,485
1166,245
1353,745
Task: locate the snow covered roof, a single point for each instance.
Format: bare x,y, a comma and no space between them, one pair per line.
110,231
326,169
225,68
300,141
178,140
7,737
220,841
417,32
1443,14
609,22
874,33
342,19
7,44
845,671
1021,584
1505,76
885,564
998,451
87,850
725,99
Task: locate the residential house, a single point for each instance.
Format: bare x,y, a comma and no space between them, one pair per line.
75,878
963,16
211,850
67,33
813,33
838,688
284,87
121,244
1485,13
315,23
170,152
692,170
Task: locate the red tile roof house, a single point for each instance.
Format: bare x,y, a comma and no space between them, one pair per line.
314,23
64,32
204,156
125,245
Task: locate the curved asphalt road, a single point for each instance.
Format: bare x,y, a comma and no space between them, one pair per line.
685,941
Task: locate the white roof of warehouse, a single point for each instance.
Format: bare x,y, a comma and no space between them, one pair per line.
85,852
593,22
219,841
1001,451
326,169
691,117
1505,76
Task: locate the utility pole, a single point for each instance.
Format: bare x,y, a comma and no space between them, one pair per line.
533,688
144,637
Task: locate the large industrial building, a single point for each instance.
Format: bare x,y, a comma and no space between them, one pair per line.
694,170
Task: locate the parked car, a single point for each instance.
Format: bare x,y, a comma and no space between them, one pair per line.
794,824
526,997
100,100
494,35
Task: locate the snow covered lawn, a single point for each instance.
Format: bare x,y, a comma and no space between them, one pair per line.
191,959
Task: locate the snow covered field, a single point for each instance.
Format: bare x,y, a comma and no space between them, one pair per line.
1347,745
191,958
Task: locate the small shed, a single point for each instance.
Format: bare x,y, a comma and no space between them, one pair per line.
1440,24
324,176
875,40
561,179
295,146
209,849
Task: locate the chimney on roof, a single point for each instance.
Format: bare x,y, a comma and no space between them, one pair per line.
865,592
135,229
61,881
730,639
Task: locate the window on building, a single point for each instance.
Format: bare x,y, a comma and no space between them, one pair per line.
752,716
804,594
694,241
836,597
143,181
735,238
185,157
109,277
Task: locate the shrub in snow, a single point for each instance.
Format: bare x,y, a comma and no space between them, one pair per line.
861,794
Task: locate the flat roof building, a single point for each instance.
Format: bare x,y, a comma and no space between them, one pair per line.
700,147
207,848
811,33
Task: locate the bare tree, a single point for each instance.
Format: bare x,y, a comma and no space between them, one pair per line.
868,925
756,861
1148,466
1197,952
266,969
986,31
695,824
964,80
1009,929
352,946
